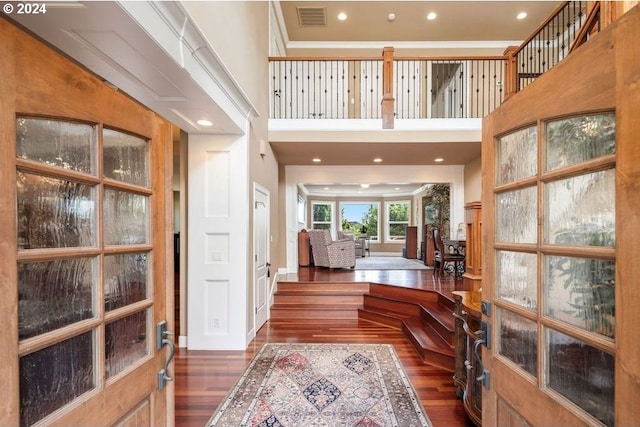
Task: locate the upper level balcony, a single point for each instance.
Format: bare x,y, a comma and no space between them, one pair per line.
421,93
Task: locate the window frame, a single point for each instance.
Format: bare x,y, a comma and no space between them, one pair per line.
388,222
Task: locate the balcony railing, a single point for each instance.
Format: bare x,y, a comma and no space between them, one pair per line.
550,43
424,87
352,88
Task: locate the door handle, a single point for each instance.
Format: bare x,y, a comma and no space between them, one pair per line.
162,340
484,374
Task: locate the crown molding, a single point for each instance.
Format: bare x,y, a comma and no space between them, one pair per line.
497,44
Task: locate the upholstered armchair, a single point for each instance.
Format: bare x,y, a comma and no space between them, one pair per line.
361,243
330,253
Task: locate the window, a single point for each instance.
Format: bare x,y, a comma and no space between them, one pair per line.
361,218
322,215
302,210
397,220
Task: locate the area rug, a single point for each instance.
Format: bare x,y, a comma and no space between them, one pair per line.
295,385
389,263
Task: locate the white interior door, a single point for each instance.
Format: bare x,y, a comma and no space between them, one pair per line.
261,266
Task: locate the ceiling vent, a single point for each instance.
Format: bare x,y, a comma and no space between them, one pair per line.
312,16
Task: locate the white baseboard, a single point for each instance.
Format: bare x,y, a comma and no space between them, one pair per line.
182,341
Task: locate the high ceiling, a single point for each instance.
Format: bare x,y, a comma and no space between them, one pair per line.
484,27
368,21
104,38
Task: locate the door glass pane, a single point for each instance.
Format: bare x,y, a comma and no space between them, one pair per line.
56,143
517,213
579,139
126,158
54,376
517,275
126,218
518,340
581,373
53,294
580,211
54,213
125,342
517,155
125,279
581,292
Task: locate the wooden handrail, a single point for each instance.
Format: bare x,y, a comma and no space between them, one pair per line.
540,27
592,19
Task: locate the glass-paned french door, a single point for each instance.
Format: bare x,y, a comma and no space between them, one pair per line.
555,258
84,259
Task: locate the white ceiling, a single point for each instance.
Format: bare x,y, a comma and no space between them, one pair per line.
104,37
456,21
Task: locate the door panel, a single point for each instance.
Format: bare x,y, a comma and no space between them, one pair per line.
556,260
86,172
261,259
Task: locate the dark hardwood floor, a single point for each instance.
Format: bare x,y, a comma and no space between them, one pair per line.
203,378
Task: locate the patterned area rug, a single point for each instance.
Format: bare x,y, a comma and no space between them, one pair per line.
389,263
294,385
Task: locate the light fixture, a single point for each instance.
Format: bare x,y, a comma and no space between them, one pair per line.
364,185
431,16
522,15
316,160
377,160
263,148
342,16
203,122
391,16
438,160
326,188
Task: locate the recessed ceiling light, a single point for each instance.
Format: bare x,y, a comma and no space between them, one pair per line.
391,16
438,160
377,160
326,188
522,15
203,122
364,185
342,16
397,188
316,160
431,16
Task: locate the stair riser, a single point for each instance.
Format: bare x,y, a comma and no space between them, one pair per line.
380,319
389,305
292,314
334,288
321,300
404,294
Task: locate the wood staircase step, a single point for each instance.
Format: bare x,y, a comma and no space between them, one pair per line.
440,319
425,317
430,346
312,311
331,288
384,317
324,300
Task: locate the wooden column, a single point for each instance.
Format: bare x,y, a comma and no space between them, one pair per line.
387,88
511,72
472,276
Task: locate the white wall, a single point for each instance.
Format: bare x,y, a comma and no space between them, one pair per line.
473,181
